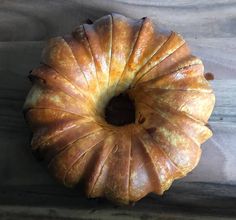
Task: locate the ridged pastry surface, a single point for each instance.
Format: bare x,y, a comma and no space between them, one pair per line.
81,72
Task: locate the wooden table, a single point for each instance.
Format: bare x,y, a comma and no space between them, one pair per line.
28,192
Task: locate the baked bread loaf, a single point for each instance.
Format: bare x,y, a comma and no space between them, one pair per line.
82,72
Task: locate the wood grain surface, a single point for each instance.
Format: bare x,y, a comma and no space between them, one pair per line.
26,189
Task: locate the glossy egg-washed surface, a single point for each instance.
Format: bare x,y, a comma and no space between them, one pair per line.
81,72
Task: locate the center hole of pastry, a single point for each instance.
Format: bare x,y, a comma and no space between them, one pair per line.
120,110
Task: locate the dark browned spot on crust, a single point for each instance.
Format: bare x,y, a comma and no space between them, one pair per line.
141,119
151,130
33,79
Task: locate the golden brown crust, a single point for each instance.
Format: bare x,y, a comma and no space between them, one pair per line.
81,72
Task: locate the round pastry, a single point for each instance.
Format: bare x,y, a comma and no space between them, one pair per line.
119,107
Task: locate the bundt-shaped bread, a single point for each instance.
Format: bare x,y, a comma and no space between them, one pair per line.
81,72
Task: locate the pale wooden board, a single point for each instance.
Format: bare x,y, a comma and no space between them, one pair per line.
209,28
184,201
36,20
